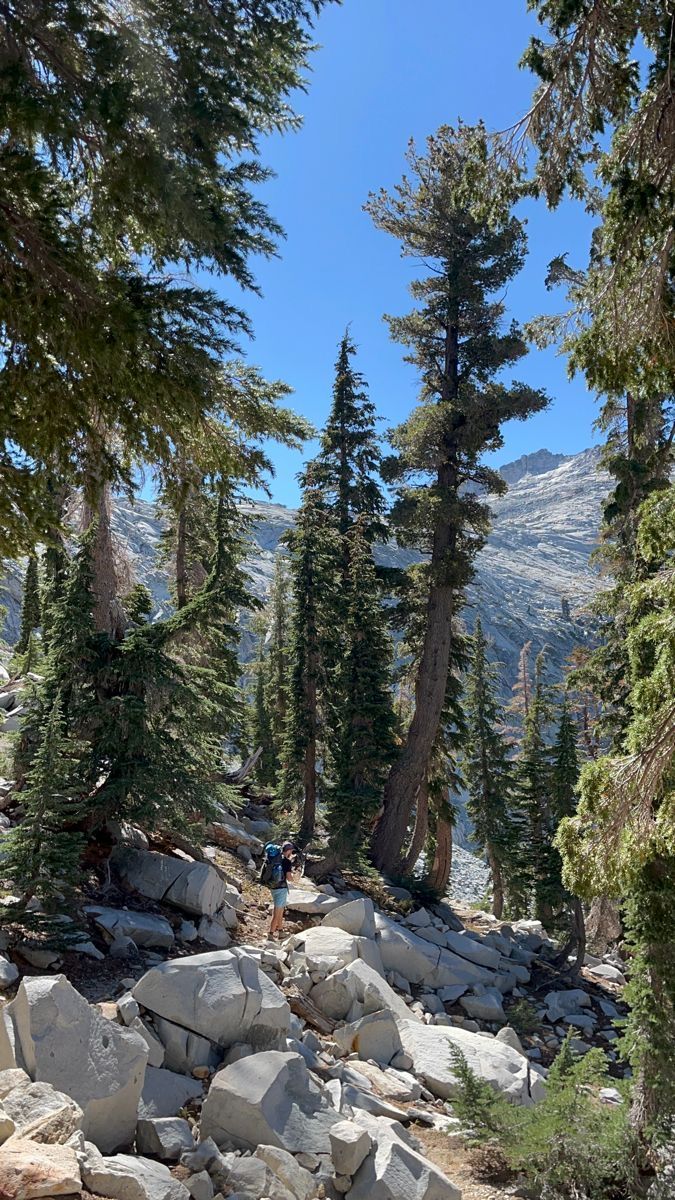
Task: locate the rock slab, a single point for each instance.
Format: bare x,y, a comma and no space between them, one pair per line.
67,1042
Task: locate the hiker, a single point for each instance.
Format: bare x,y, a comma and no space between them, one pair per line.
276,874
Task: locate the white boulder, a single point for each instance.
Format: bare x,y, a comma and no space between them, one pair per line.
222,995
57,1031
349,1145
356,916
375,1037
268,1099
306,901
285,1168
128,1177
485,1007
195,887
165,1137
165,1093
145,929
357,983
394,1170
184,1050
42,1114
430,1047
8,973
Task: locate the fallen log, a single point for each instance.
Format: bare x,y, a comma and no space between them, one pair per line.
305,1008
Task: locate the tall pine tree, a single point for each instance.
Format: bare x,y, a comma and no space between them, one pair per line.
488,769
312,569
361,714
453,215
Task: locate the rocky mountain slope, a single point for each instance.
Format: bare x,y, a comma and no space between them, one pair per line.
310,1069
537,557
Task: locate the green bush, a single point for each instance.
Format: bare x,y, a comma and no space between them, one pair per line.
569,1146
523,1017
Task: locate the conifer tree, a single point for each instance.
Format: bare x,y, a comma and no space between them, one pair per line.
362,720
603,130
348,461
260,735
128,156
488,770
312,563
31,617
532,785
565,765
452,214
43,852
276,672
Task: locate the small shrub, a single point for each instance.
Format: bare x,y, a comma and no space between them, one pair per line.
523,1018
569,1146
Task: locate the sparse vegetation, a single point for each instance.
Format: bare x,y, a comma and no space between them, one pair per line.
569,1146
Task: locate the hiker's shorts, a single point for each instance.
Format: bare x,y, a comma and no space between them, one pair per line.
279,897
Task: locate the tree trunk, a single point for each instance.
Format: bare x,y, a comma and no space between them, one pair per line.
439,874
411,766
419,836
109,616
497,882
579,932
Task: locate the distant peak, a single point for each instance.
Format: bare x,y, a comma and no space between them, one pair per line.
537,463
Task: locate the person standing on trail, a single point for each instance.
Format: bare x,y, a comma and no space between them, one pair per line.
277,873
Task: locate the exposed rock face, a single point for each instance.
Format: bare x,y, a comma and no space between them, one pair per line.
222,996
269,1099
57,1033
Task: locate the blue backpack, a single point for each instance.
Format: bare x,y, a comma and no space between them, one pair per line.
272,873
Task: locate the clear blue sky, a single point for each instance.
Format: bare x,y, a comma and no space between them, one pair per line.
387,70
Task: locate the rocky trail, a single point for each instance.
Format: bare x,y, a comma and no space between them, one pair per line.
168,1050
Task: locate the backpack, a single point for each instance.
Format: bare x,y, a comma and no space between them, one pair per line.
272,873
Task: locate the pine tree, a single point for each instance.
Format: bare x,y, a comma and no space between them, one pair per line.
620,840
603,130
312,562
132,157
565,766
363,721
31,617
488,769
521,691
276,673
532,787
42,854
348,461
260,725
452,214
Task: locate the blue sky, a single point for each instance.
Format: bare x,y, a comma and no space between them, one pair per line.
388,70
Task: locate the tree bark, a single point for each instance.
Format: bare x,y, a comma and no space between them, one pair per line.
497,882
109,616
439,874
420,831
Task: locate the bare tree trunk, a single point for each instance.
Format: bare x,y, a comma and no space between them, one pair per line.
579,932
497,882
420,831
439,874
